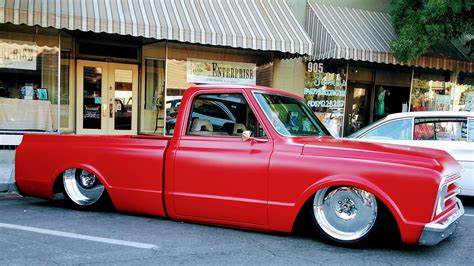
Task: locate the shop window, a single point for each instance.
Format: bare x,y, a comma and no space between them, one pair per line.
432,91
66,103
154,83
464,93
28,78
189,65
395,130
325,92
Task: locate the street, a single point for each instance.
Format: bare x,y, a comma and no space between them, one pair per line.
39,232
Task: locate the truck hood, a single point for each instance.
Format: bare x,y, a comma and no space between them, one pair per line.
390,153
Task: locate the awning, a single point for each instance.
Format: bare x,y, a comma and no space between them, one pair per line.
252,24
355,34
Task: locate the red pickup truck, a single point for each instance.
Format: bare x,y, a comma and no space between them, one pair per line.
256,158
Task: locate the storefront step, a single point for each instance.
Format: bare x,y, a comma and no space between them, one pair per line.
7,170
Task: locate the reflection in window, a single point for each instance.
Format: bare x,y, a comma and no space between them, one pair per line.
440,130
154,83
28,79
290,116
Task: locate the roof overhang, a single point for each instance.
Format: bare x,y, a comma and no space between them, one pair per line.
248,24
354,34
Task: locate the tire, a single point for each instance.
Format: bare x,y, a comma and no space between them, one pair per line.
347,216
83,190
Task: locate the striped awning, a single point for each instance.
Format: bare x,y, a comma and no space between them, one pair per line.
251,24
355,34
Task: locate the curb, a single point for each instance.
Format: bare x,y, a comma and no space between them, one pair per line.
7,184
7,171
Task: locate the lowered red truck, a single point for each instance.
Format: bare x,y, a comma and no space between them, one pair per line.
255,158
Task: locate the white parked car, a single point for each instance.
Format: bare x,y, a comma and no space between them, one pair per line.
452,132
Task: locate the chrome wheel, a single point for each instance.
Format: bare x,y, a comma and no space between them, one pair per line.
346,214
82,188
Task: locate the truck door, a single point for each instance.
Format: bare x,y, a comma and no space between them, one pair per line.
218,176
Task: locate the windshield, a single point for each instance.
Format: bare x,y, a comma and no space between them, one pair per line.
290,116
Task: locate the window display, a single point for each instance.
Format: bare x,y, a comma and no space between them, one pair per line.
325,93
442,91
28,78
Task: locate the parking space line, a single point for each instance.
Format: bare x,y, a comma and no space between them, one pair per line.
470,215
78,236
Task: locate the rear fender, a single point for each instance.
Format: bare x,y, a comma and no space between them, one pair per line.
59,171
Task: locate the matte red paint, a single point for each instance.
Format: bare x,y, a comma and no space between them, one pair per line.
226,181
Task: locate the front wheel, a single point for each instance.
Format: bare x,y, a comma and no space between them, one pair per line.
83,189
347,215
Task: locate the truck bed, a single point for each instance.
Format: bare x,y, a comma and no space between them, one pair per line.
115,160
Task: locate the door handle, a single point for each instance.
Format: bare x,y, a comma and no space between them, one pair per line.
111,110
104,110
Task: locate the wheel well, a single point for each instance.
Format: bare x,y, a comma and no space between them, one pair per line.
301,223
58,184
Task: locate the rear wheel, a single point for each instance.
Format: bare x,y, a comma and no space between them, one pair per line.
347,215
83,189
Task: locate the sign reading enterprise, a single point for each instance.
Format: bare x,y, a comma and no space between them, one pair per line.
206,71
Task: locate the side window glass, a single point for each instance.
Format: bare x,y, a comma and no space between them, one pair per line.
450,131
444,130
424,131
469,130
396,130
222,115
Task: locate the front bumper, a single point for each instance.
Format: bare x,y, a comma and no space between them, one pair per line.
433,233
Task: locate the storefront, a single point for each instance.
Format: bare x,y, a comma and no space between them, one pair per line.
353,79
121,67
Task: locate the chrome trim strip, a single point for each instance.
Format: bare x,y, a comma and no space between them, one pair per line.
441,184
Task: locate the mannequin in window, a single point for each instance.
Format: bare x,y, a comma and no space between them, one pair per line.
380,103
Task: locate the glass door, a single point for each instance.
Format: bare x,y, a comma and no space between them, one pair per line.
123,93
358,108
107,98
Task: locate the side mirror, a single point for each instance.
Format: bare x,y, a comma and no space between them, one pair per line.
246,135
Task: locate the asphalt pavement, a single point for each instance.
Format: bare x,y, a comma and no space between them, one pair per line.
39,232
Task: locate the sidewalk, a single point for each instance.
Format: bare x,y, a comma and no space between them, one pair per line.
7,170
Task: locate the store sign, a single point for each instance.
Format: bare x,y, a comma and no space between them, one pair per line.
223,72
19,55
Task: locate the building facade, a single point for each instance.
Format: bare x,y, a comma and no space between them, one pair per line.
353,79
121,67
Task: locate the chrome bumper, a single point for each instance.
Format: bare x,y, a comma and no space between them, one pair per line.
433,233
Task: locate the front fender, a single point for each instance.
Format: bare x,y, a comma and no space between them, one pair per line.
410,231
354,181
